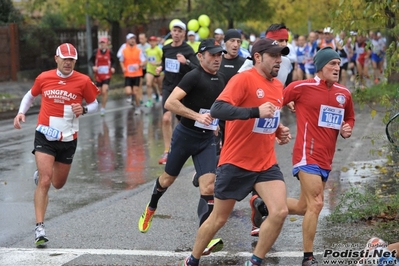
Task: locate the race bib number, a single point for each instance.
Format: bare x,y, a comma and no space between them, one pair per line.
50,133
103,69
151,59
172,65
212,126
331,117
132,67
267,125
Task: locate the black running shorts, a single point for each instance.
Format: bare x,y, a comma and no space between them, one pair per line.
233,182
188,142
165,96
62,151
99,84
132,81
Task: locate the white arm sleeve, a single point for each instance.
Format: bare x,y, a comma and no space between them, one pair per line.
285,68
292,55
26,102
119,54
248,64
143,58
92,107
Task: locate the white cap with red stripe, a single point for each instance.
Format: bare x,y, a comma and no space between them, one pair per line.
67,50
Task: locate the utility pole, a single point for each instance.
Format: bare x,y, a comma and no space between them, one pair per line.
89,45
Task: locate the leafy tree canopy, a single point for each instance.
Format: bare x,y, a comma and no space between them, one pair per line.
8,14
53,20
364,16
126,12
228,13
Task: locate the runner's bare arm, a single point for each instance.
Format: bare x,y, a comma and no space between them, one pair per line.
173,104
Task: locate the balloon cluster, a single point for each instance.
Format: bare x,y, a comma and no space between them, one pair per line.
200,25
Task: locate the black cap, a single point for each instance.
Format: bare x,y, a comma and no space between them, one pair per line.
210,45
269,46
232,33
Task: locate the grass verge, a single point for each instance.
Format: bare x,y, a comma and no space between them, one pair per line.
381,96
374,209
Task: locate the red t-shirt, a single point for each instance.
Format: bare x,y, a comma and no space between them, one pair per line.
58,94
318,110
249,144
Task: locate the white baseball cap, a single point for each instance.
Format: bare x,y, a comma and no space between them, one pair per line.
190,32
129,36
218,31
67,50
179,24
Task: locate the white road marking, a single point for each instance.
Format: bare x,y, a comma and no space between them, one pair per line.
34,256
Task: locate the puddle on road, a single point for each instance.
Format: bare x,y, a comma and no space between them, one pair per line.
122,151
363,171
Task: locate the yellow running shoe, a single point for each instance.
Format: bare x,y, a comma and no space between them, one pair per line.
146,219
214,246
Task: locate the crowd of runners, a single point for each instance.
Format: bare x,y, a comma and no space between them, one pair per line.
227,93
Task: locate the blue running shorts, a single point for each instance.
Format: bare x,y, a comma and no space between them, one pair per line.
313,169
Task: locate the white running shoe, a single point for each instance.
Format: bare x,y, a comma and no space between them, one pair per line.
40,236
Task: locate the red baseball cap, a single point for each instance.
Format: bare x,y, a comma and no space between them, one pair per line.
153,38
67,50
103,39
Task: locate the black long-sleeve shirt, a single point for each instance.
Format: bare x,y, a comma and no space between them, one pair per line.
226,111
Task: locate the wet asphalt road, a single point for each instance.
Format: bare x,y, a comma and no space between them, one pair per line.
93,219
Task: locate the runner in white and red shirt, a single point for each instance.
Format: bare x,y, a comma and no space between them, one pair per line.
63,91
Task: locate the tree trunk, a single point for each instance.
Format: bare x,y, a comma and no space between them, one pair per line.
231,24
115,36
116,41
394,74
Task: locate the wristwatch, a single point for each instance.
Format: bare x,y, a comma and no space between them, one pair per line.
84,110
188,62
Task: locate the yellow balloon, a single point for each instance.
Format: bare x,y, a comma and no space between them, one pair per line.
204,20
203,32
289,37
167,41
173,22
193,25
